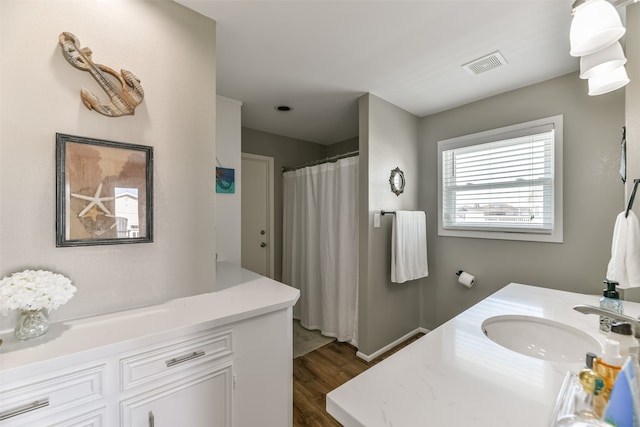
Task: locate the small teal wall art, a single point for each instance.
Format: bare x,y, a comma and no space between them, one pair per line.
225,180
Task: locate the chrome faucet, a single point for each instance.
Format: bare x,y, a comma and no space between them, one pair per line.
590,309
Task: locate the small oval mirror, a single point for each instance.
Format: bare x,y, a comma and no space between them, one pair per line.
396,180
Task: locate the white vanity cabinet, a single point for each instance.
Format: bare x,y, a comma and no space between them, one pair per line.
184,382
187,381
222,359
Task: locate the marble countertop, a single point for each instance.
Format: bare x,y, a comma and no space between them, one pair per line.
241,295
456,376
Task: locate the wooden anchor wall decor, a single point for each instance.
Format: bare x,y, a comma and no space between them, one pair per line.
125,96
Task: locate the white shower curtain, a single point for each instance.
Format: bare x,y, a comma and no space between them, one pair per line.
320,246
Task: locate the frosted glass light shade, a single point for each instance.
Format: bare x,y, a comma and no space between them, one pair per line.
595,25
602,61
608,82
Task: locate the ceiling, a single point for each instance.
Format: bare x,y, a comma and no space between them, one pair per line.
319,56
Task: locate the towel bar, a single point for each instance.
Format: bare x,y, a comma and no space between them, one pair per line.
394,212
633,196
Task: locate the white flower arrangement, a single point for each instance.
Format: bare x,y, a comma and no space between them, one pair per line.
34,290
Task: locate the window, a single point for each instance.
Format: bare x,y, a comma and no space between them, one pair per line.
503,184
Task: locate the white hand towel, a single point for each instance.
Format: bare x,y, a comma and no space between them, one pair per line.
409,246
624,266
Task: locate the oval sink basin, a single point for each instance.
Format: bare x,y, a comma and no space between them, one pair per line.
540,338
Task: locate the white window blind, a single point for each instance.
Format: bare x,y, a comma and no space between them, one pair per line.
502,182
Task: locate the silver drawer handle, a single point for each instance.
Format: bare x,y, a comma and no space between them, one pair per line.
24,409
184,358
152,419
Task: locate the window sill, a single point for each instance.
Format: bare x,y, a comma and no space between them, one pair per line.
555,237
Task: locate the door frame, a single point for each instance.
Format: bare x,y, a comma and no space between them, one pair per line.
270,210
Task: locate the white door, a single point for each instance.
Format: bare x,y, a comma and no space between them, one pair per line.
257,214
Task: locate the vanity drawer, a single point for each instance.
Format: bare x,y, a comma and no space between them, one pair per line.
24,403
158,361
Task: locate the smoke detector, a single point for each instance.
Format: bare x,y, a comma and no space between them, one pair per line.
486,63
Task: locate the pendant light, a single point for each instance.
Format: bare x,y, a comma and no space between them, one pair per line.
608,82
595,30
602,61
595,26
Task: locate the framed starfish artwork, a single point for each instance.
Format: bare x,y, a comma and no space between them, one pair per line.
104,192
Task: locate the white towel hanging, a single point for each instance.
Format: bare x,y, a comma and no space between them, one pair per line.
409,246
624,266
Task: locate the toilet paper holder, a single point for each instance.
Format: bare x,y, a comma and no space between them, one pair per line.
465,279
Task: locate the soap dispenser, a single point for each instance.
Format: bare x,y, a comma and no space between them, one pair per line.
610,301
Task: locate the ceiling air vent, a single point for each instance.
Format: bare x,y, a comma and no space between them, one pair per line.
486,63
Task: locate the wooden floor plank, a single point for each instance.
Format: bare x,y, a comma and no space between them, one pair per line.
317,373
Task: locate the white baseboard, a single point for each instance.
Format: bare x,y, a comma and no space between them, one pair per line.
370,357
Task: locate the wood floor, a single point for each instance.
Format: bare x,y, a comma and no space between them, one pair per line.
317,373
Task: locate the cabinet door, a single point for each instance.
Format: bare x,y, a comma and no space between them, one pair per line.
200,400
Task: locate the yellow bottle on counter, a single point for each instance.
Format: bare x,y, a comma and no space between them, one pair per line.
608,366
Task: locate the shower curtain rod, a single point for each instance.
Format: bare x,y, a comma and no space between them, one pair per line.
318,162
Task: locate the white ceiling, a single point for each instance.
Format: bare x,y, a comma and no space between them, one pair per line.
320,56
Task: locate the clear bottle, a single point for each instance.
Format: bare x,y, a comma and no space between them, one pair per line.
610,301
623,333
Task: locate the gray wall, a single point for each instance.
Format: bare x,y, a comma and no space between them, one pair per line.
388,139
593,197
342,147
287,152
632,112
41,96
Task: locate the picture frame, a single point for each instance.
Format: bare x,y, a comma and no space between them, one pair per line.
225,180
104,192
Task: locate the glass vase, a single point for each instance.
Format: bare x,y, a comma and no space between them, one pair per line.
31,324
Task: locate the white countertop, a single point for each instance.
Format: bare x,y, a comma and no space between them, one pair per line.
241,295
456,376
